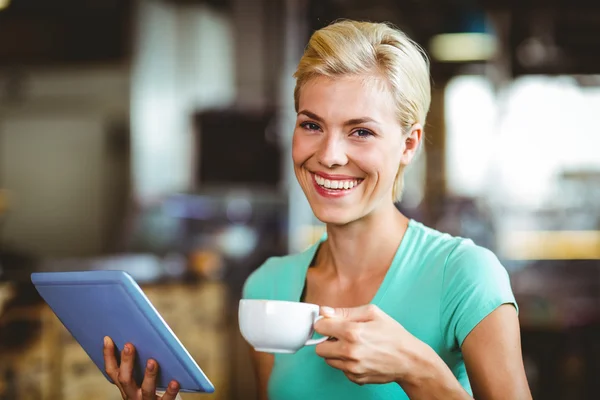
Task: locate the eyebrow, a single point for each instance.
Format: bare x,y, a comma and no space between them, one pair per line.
353,121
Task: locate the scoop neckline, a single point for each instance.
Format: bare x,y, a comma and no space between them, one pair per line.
383,287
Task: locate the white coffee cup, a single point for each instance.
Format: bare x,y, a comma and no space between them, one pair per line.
276,326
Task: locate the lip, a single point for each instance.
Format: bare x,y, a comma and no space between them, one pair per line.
332,193
335,177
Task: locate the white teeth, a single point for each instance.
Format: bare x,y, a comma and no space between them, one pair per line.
335,184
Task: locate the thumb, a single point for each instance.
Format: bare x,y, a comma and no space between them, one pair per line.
356,314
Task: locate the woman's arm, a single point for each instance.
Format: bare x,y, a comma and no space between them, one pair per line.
492,353
366,353
263,365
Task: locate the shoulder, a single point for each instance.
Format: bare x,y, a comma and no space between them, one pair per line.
434,247
472,262
275,275
258,284
475,283
454,253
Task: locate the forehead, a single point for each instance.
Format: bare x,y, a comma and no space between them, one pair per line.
347,97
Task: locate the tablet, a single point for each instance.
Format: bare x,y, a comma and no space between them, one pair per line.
94,304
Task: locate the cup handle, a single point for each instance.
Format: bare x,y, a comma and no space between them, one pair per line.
312,342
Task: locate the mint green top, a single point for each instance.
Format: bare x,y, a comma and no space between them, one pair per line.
438,287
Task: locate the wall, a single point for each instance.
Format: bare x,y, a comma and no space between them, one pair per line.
183,62
64,176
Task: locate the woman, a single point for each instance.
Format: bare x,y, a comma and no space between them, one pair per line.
414,313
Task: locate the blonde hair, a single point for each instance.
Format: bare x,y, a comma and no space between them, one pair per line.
365,48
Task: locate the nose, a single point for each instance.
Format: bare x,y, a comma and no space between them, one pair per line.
332,152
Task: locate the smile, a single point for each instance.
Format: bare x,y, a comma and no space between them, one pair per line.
336,185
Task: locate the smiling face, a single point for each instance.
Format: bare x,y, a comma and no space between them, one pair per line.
348,145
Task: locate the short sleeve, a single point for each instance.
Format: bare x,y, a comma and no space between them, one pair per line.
475,283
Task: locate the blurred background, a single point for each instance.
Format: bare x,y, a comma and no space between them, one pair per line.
154,136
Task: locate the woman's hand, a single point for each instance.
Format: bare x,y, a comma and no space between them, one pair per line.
122,375
369,345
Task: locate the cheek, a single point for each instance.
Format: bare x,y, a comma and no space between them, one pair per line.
393,158
381,161
301,149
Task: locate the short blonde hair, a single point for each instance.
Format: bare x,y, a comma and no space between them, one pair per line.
365,48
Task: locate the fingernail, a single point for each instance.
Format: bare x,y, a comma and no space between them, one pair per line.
328,311
106,341
127,350
150,366
173,386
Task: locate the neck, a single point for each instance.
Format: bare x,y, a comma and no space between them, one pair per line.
366,246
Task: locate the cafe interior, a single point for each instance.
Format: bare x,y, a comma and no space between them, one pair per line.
154,137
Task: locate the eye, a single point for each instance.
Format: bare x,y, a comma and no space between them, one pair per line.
310,126
362,133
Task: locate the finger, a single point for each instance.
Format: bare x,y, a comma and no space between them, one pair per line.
350,369
336,363
341,329
126,371
332,327
149,382
329,350
356,314
172,390
339,350
110,363
358,379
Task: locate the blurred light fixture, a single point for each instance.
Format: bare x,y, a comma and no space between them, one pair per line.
467,37
4,4
463,47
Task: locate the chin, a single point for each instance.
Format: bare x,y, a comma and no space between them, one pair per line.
334,215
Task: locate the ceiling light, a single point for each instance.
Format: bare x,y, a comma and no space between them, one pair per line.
463,47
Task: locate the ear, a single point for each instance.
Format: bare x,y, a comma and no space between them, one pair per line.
412,141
